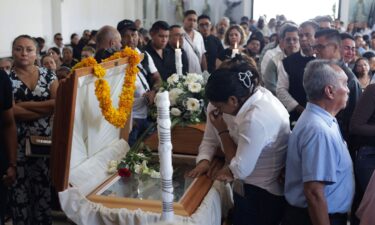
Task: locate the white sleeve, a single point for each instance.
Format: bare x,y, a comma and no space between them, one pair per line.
210,141
264,63
282,89
151,64
252,138
202,49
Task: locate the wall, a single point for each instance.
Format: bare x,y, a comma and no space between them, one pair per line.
23,17
167,10
46,17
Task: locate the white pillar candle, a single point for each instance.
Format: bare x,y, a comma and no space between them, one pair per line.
178,59
235,50
165,154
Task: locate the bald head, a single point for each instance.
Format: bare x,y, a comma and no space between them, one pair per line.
108,37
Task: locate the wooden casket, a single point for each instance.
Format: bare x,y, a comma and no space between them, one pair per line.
84,143
185,140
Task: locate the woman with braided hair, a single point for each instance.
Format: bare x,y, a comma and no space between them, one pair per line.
252,128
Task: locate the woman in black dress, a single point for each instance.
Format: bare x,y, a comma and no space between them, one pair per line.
34,91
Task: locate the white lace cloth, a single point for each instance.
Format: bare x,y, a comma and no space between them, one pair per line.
84,212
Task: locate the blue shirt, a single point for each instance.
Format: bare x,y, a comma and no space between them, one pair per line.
317,152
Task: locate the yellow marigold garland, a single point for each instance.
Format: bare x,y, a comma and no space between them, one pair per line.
116,117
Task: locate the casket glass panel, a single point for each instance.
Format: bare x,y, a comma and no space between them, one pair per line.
144,187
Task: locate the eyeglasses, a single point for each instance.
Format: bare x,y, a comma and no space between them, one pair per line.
59,39
348,48
320,47
204,25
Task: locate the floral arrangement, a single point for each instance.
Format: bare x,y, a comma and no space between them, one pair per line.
134,161
116,117
186,95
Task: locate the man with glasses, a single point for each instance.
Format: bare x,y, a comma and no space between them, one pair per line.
289,88
327,46
212,44
58,42
348,50
289,41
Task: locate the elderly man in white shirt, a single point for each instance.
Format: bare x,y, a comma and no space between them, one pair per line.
193,43
252,128
290,42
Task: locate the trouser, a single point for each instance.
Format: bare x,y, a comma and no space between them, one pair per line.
300,216
139,126
257,207
364,166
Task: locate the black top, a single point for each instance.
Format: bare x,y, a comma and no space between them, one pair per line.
166,65
6,100
213,47
103,54
363,119
72,63
344,116
294,66
225,54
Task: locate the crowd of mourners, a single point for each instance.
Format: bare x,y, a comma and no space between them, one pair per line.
291,106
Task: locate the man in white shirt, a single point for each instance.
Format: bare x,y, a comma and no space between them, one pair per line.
58,42
145,88
290,42
193,43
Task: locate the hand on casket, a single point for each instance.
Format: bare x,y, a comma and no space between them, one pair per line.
201,168
224,175
206,167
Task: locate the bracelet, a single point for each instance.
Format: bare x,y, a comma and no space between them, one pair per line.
223,131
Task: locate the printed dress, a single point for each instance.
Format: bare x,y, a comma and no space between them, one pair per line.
31,194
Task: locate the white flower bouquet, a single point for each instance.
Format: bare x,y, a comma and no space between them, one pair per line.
186,94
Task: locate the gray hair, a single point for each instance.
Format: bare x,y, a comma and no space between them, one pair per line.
226,19
68,48
318,74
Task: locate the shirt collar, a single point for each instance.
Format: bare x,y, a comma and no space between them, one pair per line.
304,55
328,118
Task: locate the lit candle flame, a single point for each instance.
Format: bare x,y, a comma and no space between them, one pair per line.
178,44
235,45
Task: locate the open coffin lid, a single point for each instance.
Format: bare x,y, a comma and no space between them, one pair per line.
84,143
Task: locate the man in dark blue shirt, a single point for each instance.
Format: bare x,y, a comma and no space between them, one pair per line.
8,141
212,44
